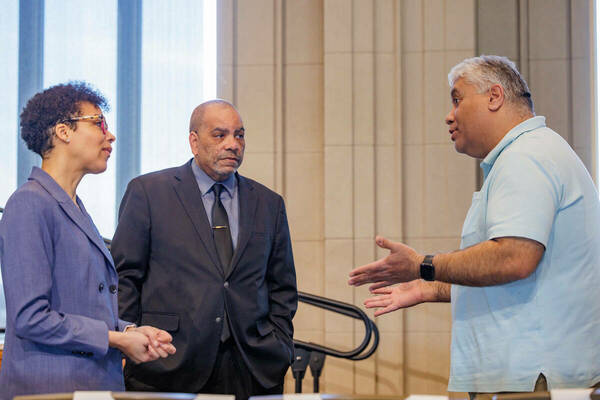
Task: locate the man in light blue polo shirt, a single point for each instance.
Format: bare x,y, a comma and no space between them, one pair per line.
524,286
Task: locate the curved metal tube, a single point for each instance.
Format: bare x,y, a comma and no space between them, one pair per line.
349,310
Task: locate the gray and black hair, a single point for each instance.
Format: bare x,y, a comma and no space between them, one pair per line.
485,71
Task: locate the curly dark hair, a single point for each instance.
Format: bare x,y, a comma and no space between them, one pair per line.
55,104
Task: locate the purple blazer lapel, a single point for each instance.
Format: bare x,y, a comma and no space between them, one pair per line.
79,217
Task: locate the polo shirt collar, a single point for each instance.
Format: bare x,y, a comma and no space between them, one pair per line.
525,126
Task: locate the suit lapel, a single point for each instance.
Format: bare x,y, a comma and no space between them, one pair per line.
79,216
187,190
84,222
248,201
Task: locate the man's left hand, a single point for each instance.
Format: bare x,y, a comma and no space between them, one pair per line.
401,265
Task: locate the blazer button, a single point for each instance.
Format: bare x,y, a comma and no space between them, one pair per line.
218,319
101,287
226,285
113,289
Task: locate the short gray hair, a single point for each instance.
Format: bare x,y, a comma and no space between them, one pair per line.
485,71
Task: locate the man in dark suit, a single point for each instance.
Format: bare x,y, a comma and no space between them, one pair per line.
205,254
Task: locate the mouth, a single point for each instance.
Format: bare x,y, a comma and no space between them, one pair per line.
108,150
453,134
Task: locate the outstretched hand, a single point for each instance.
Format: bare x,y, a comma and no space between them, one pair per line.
404,295
401,265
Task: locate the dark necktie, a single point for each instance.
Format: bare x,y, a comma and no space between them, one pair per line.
221,231
223,243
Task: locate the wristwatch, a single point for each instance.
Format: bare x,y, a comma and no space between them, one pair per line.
428,269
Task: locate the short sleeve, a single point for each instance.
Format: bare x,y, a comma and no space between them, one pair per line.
523,197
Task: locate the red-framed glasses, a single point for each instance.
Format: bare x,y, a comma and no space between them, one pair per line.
99,120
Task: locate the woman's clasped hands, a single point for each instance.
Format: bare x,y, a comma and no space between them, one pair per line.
143,343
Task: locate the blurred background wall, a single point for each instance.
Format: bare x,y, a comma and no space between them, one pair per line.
344,104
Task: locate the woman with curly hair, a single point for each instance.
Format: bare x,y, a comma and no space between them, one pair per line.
63,332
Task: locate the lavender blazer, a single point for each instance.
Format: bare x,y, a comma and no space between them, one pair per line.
60,285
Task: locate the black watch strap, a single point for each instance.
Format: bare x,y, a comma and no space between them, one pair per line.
427,268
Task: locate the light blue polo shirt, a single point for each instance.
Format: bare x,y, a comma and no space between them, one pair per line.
504,336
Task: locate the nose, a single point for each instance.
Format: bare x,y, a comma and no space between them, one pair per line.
450,117
110,137
232,144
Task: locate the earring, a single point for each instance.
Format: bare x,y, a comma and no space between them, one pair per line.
68,140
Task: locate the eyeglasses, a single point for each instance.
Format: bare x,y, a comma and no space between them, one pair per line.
99,120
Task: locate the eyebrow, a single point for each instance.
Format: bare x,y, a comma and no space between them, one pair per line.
221,130
454,92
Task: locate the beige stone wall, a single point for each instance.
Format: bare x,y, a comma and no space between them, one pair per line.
344,104
551,42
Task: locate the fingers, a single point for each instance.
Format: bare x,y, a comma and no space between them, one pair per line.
157,336
382,290
385,304
384,310
378,302
160,341
169,348
152,353
370,273
378,285
143,345
366,268
162,353
163,336
383,242
149,332
165,349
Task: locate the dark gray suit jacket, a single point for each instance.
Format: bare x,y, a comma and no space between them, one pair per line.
170,277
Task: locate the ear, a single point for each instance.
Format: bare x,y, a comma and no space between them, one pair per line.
193,138
62,132
496,97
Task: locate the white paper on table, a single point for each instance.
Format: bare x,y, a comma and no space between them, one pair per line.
208,396
302,396
570,394
426,397
92,395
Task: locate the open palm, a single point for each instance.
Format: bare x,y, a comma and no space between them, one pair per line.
404,295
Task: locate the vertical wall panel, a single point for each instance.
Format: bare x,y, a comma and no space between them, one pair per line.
437,182
31,73
553,48
129,93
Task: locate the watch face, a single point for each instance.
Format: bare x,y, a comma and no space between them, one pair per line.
427,272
